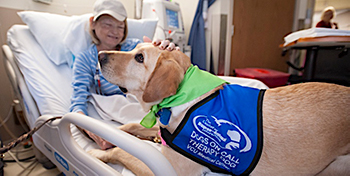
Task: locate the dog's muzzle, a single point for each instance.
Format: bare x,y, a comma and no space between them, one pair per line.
103,60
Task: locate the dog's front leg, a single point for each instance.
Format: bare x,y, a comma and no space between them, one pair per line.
140,131
182,164
119,156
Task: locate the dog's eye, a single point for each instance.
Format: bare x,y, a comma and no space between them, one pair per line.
139,58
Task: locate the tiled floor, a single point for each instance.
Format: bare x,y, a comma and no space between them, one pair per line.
30,167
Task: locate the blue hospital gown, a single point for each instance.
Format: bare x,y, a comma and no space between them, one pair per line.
84,69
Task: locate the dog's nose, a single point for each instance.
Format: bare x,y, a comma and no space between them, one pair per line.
102,58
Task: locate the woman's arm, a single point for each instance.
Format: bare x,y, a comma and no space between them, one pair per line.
335,25
82,82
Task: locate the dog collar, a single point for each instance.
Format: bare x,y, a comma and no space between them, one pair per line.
164,115
189,89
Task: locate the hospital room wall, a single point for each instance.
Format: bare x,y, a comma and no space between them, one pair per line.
9,17
6,92
259,29
342,8
342,18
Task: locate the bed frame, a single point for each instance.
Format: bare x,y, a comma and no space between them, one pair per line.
57,142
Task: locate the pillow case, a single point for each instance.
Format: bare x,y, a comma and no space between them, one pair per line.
76,36
140,28
63,37
47,29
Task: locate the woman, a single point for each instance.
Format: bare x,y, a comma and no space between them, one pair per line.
327,15
108,29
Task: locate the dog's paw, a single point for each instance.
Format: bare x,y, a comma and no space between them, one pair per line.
99,154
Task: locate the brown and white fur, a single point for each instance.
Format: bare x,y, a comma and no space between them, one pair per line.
306,127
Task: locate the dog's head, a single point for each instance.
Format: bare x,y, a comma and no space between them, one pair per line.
147,72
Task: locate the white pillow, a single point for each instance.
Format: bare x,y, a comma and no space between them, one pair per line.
77,38
48,30
76,35
77,41
140,28
62,36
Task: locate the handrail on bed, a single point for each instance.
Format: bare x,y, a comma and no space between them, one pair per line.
127,142
19,85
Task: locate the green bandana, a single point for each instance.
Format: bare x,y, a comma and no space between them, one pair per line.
196,82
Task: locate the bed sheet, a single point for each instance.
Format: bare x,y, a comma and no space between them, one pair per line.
50,85
50,91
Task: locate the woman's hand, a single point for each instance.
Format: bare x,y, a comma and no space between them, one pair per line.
163,44
100,141
335,25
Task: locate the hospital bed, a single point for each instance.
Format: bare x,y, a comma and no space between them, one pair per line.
38,61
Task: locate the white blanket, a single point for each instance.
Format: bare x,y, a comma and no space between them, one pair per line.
116,108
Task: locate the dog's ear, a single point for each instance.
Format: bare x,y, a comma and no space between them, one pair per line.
166,77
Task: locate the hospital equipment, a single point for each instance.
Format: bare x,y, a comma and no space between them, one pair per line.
271,78
326,59
170,24
211,35
1,161
42,83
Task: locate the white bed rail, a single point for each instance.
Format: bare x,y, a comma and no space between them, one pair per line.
19,86
58,133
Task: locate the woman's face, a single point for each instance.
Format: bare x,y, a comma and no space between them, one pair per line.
109,31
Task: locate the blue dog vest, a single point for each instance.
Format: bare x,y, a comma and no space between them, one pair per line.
222,132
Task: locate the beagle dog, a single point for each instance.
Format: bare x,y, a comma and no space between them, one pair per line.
301,129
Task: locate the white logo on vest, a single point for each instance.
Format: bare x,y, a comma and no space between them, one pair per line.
209,140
